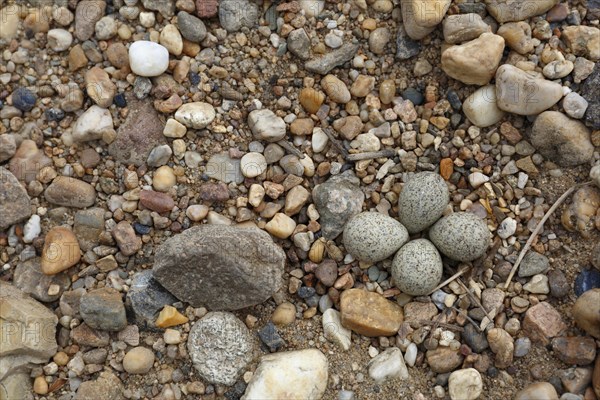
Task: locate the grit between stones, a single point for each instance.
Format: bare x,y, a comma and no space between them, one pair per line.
252,199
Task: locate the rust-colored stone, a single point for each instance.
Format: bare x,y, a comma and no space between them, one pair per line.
542,322
446,168
370,314
156,201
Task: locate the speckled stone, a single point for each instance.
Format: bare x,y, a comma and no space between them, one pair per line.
422,201
372,237
417,267
461,236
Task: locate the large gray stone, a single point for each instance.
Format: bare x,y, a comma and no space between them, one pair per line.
220,347
14,201
590,90
29,278
28,331
103,309
220,267
337,200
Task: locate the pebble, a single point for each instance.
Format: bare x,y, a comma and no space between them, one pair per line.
538,390
23,99
334,331
586,312
237,14
517,36
267,126
443,359
148,58
146,298
59,39
296,198
220,346
362,86
422,201
159,156
575,105
87,13
388,365
163,179
579,350
481,108
533,263
138,360
126,239
558,69
542,322
99,87
583,41
169,316
311,99
419,24
465,384
562,140
14,200
373,237
171,39
586,280
511,80
281,226
92,124
369,314
417,267
337,200
476,61
461,28
224,168
298,44
103,309
191,27
537,285
322,65
61,251
461,236
378,40
522,347
106,28
70,192
196,115
312,8
284,314
303,373
476,340
507,228
502,345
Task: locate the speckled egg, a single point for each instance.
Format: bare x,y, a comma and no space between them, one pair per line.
422,201
417,267
461,236
372,237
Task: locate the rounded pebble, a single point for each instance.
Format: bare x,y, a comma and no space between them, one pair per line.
138,360
148,58
422,201
253,164
23,99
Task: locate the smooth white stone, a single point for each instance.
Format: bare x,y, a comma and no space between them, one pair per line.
92,124
388,365
148,58
481,108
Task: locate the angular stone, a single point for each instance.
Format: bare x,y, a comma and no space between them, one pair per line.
460,28
237,14
87,336
138,135
388,365
107,383
70,192
166,8
329,61
207,8
92,124
146,298
103,309
265,125
522,93
369,313
334,331
420,17
542,322
224,168
300,374
220,267
129,243
88,226
590,90
583,41
15,205
99,87
476,61
220,347
580,350
337,200
28,331
415,312
87,13
28,161
30,279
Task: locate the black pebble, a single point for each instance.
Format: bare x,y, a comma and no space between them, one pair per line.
586,280
120,100
23,99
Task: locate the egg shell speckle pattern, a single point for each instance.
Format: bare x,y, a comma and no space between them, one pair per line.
417,267
422,201
372,237
461,236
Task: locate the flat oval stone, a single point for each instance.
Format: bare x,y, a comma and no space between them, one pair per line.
156,201
148,58
461,236
417,267
370,314
372,237
70,192
422,201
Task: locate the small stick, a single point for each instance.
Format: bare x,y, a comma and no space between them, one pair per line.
290,148
387,153
538,229
443,325
447,281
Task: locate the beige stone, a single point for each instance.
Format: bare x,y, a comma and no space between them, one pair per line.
61,251
370,314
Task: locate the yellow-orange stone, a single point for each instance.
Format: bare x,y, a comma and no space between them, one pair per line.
169,316
60,252
369,313
311,99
